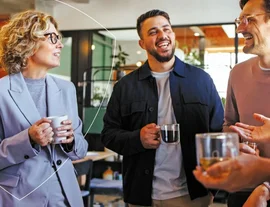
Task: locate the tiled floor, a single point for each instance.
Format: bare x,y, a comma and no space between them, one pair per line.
107,201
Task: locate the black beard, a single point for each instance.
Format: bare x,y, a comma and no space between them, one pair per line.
160,58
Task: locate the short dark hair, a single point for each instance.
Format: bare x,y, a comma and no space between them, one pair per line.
266,4
242,3
149,14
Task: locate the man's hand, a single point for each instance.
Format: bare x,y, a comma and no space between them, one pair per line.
245,171
244,148
242,131
258,134
150,136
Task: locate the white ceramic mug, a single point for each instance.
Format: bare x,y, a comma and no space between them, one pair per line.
56,121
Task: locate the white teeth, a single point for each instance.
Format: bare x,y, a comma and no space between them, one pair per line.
248,37
57,54
163,45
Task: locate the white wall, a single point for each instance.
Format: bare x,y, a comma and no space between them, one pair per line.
123,13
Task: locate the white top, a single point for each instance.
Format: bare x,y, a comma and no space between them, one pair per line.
169,175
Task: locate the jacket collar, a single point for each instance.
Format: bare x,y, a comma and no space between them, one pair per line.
144,71
179,69
21,96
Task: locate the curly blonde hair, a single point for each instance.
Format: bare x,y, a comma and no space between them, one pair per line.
19,38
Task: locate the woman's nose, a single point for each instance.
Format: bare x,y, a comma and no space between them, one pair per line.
60,44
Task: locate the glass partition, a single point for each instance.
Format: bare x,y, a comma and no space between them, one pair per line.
99,79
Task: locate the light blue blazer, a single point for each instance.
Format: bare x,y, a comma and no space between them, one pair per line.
24,170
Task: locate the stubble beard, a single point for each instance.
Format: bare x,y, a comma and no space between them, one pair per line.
255,49
161,58
249,50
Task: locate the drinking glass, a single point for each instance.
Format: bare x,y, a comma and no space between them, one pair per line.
216,147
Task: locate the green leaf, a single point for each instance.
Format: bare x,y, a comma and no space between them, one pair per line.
121,57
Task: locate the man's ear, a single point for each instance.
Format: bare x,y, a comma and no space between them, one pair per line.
141,43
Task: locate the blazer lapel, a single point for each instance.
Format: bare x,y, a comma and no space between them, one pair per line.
54,98
55,103
21,96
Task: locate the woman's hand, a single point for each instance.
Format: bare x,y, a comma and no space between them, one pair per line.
67,127
41,132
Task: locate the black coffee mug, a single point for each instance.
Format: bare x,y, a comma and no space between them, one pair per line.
170,133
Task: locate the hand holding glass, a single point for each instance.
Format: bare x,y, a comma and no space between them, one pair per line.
216,147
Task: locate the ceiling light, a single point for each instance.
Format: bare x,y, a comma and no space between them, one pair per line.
196,34
230,31
197,30
139,63
222,49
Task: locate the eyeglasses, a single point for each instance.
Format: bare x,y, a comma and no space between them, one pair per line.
53,37
245,19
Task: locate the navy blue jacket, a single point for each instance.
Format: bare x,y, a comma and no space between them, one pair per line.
134,103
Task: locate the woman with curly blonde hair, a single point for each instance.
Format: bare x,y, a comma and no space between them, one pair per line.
20,38
34,170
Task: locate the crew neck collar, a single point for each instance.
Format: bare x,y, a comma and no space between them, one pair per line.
262,68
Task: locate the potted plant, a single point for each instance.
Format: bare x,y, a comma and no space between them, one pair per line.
120,61
99,95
